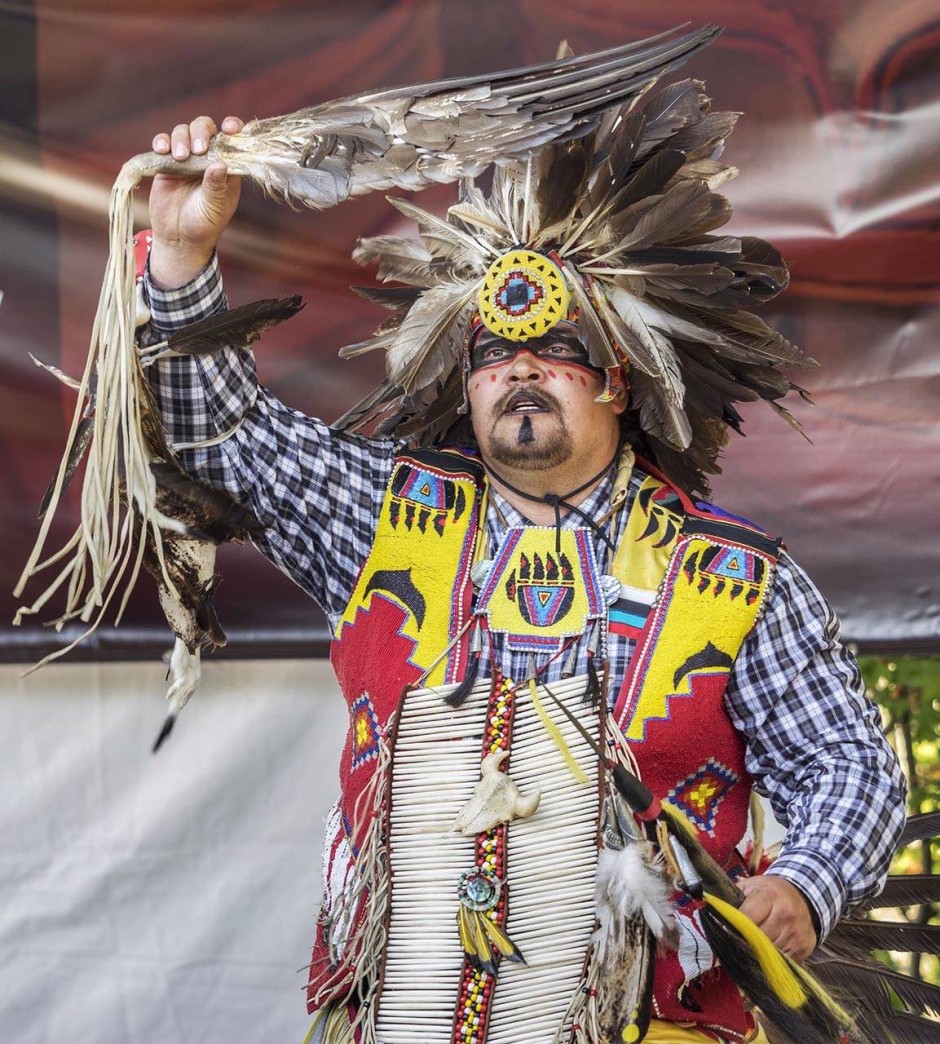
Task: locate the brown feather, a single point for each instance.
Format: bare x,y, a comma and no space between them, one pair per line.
907,890
700,140
764,269
444,240
392,297
80,444
784,414
370,344
428,424
649,179
659,416
208,513
651,350
235,327
705,279
669,217
744,336
562,171
920,827
402,260
670,110
712,212
591,331
429,341
854,935
866,980
614,170
625,995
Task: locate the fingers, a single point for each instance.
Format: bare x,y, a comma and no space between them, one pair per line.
780,910
758,903
193,138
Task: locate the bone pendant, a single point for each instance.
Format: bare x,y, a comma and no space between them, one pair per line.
496,799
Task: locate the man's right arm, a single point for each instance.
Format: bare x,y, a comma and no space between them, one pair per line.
319,491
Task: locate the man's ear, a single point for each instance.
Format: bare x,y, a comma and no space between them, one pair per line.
621,392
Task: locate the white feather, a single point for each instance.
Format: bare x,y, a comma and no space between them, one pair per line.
429,340
630,881
183,677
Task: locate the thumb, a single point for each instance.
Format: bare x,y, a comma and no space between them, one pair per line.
215,191
215,179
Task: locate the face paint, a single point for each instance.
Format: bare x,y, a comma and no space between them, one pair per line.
526,434
558,346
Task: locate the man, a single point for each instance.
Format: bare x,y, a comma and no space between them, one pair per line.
758,688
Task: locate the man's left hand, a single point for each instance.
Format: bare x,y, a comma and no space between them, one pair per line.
782,911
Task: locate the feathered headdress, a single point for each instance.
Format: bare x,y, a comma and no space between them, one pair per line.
616,230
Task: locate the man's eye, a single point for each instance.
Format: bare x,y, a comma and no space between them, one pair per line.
561,351
495,352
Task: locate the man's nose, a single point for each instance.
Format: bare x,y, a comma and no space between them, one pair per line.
525,366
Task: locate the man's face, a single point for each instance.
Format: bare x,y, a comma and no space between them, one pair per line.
532,404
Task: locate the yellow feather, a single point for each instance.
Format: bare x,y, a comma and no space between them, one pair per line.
463,929
779,973
481,943
552,729
502,942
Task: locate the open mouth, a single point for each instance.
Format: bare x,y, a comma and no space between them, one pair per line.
521,403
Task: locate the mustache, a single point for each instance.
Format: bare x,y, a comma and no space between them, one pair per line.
528,395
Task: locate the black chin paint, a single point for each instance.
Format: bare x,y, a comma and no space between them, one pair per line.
526,434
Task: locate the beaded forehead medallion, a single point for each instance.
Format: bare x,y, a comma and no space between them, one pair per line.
523,295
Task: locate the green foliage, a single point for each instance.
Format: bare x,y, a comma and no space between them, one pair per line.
907,689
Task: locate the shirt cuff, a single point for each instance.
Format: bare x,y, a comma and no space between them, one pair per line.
171,310
813,874
200,397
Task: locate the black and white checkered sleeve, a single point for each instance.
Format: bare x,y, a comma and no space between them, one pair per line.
319,492
816,749
202,396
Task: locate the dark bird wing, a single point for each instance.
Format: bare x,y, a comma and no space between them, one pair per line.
197,518
411,137
207,513
920,827
889,1005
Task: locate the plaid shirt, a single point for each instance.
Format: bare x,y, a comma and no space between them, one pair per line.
814,742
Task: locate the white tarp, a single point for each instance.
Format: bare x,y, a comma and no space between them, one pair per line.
167,899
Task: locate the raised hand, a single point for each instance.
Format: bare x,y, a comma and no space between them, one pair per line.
189,215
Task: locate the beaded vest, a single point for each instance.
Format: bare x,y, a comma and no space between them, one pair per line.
405,625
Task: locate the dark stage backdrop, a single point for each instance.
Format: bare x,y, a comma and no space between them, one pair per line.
839,168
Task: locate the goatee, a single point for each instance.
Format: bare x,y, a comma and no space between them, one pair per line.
531,451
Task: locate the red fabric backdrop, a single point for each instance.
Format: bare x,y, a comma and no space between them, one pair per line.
839,168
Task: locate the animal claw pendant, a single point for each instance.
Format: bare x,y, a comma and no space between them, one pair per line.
496,799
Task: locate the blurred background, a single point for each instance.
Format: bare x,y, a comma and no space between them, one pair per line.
169,899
